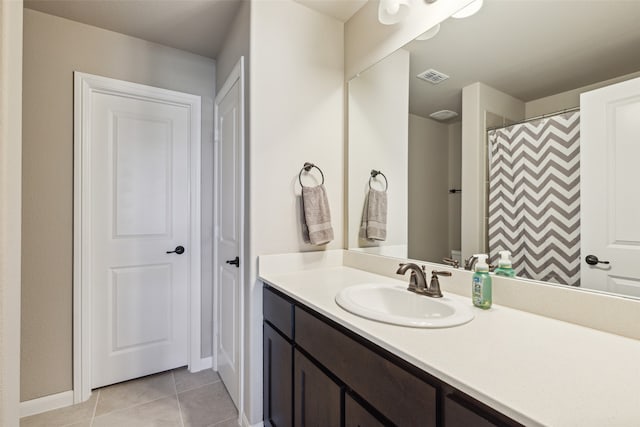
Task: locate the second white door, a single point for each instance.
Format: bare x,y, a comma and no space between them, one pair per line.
229,231
609,177
140,198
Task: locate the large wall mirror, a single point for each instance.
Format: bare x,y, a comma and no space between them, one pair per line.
518,129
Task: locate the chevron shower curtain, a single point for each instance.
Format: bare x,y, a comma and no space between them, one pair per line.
534,197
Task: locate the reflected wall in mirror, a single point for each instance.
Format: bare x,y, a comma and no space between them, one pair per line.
511,63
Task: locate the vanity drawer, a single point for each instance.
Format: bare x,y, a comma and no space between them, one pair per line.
403,398
278,311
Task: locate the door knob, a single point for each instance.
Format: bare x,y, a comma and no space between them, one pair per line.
178,250
593,260
235,261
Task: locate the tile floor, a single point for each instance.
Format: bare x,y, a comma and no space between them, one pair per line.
173,398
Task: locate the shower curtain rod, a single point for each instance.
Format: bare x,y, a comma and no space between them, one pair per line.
542,116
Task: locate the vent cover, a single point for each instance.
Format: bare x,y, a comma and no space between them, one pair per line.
433,76
443,115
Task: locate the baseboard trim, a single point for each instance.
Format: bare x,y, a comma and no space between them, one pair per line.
206,362
61,400
246,423
202,364
46,403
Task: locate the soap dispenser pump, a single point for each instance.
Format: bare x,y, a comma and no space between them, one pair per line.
505,267
481,284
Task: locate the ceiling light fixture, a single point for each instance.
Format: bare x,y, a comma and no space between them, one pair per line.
468,10
392,11
443,115
429,34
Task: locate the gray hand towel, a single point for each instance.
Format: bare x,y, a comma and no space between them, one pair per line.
376,215
317,216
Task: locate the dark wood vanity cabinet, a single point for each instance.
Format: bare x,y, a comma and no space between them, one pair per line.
318,373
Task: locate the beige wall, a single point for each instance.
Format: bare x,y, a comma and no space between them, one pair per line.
53,49
235,45
479,99
378,139
568,99
10,218
297,115
428,182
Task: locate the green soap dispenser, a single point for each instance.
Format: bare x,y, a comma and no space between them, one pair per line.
481,286
504,265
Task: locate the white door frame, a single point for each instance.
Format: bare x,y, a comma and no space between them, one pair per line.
84,86
10,208
236,75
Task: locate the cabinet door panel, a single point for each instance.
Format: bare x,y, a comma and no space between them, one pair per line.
357,416
316,396
400,396
458,415
277,379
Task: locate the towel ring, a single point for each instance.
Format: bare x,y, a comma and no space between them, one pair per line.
307,167
375,173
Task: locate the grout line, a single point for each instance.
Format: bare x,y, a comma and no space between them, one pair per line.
224,421
132,407
175,388
123,385
95,408
198,386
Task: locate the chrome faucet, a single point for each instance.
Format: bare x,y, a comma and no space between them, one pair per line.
418,281
470,262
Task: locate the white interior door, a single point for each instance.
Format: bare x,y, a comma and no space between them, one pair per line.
229,217
610,199
139,195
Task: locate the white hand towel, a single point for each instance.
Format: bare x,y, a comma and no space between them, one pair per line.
317,216
376,215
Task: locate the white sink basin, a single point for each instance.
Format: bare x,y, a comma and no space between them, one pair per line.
396,305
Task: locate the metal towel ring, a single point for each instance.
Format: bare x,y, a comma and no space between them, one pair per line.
307,167
375,173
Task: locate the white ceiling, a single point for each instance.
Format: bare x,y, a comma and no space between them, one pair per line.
527,48
198,26
342,10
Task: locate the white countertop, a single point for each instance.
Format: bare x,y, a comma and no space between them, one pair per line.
536,370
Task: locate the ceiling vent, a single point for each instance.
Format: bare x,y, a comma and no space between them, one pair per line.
443,115
433,76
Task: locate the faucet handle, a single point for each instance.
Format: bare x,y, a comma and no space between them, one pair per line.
452,262
434,286
441,273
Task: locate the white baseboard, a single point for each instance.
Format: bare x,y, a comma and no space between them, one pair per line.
246,423
202,364
206,363
61,400
46,403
